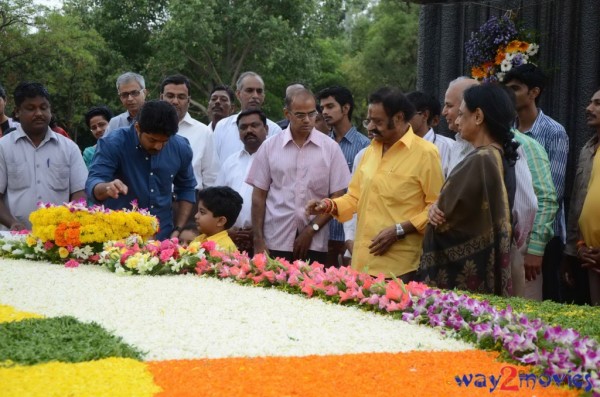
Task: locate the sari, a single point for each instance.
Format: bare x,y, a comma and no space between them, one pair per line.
471,250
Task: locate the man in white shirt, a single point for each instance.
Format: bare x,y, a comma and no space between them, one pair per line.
250,91
131,88
252,124
220,104
525,203
176,90
427,108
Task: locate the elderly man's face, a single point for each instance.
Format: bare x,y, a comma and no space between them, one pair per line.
132,96
252,94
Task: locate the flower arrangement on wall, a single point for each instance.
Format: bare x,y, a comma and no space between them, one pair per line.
496,48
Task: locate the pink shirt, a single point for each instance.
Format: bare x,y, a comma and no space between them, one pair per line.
293,175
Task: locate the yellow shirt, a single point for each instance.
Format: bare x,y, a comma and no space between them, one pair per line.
589,220
221,239
384,191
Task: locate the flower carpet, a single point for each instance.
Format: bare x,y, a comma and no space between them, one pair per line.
83,330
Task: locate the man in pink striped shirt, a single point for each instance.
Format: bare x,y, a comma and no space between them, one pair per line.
291,168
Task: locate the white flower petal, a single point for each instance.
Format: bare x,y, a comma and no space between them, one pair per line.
176,317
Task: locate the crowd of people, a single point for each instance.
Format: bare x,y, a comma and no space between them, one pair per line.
482,210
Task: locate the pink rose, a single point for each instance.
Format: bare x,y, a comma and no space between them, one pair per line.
72,263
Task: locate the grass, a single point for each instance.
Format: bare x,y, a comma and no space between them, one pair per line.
34,341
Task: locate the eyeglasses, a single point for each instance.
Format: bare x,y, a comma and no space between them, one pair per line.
134,94
302,116
181,97
378,123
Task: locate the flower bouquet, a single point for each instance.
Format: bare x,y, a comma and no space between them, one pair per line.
496,48
74,233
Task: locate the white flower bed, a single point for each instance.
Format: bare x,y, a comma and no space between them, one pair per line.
176,317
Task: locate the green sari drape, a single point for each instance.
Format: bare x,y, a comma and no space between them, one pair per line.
471,250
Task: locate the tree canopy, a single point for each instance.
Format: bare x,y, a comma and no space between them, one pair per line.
80,50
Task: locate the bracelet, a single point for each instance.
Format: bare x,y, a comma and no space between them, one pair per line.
329,205
581,244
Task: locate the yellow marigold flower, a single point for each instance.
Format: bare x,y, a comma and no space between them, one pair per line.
63,252
30,240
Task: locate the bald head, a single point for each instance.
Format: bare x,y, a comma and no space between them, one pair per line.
293,87
453,98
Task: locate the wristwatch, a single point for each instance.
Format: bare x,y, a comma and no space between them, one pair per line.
400,231
177,229
315,226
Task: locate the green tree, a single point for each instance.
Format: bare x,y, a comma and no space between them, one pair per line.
126,25
383,50
65,57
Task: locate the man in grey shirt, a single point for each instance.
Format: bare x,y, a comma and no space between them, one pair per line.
36,164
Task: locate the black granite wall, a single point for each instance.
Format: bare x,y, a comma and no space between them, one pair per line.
569,39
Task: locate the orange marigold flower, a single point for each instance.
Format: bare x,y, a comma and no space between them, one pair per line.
500,55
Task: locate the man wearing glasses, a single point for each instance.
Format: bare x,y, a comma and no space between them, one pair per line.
399,178
131,89
294,166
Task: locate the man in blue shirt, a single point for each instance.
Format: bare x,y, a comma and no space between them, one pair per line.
528,82
147,162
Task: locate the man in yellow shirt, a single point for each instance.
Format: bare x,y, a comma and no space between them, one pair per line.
397,180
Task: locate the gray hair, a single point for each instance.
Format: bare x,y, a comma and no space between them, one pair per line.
240,80
130,76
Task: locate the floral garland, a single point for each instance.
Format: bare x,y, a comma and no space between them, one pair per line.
496,48
74,232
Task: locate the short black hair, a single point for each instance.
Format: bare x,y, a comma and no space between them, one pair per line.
158,117
98,111
530,75
176,79
393,101
27,89
225,88
342,95
261,114
422,102
222,201
2,92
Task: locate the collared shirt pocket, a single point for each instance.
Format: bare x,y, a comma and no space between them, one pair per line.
18,176
58,176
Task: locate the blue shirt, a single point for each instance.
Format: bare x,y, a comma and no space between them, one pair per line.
151,179
352,143
553,137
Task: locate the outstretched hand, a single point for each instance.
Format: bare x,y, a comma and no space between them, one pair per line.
116,187
315,207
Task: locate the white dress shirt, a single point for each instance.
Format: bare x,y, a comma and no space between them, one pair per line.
227,136
233,174
525,204
444,145
205,161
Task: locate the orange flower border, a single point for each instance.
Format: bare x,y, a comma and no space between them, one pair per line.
369,374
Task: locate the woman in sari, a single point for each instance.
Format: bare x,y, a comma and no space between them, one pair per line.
469,246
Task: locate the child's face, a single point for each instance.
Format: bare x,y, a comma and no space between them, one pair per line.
207,223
